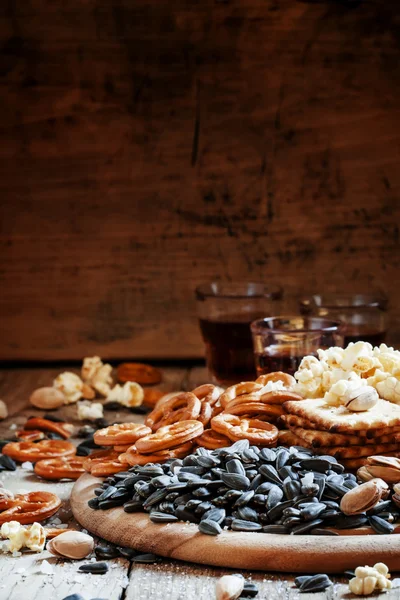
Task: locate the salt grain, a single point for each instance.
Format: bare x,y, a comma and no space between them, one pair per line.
46,568
27,466
13,426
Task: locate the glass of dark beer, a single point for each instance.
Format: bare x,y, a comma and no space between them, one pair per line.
226,310
364,316
281,342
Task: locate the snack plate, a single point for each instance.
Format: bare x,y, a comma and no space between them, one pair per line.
238,550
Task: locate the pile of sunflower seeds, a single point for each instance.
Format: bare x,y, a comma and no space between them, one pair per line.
244,488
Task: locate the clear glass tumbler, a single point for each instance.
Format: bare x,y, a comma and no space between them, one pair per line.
226,310
281,342
363,316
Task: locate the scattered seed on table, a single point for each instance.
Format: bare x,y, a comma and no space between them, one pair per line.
146,558
106,552
98,568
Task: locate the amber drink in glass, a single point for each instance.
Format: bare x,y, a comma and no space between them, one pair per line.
281,342
363,316
225,311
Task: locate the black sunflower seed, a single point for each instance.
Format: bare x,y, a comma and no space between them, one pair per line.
250,590
235,466
303,528
319,531
281,529
380,525
7,463
146,558
271,474
209,527
160,517
235,481
241,525
128,553
315,583
106,552
98,568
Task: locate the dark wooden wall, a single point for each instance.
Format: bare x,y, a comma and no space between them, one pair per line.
150,145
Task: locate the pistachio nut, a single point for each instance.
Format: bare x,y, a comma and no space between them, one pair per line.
363,498
47,398
384,467
72,544
361,399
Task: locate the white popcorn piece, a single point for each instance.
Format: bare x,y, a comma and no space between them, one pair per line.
342,388
130,394
387,386
369,579
32,537
70,385
102,380
89,411
91,364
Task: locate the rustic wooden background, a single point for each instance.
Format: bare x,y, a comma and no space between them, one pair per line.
149,145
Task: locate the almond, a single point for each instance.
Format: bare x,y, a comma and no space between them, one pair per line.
47,398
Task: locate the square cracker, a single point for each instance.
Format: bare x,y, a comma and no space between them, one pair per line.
339,419
295,421
357,451
318,439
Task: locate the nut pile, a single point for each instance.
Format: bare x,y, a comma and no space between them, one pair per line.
245,488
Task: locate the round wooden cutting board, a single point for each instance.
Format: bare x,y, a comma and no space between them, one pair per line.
238,550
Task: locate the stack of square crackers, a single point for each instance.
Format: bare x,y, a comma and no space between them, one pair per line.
348,436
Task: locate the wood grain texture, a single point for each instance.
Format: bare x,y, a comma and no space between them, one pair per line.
149,146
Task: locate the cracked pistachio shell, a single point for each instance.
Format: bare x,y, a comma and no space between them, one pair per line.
71,544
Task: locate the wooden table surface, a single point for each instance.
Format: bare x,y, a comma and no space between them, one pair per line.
22,578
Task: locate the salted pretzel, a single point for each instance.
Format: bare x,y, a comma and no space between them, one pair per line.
132,457
22,451
122,447
60,468
279,397
206,412
28,508
207,393
170,436
30,436
123,433
235,428
212,440
273,411
99,456
63,429
232,392
107,468
182,407
287,380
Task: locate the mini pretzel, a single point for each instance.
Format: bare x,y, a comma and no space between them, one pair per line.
63,429
206,413
107,468
235,428
30,436
28,508
208,393
232,392
123,433
22,451
182,407
279,397
60,468
122,447
212,440
254,408
138,372
170,436
132,457
285,378
97,457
